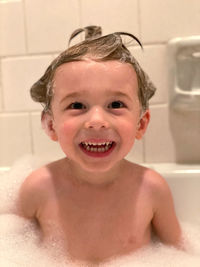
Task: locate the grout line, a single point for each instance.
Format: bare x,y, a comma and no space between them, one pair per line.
16,112
51,53
27,55
144,149
159,105
139,19
31,133
155,43
25,26
7,1
2,114
80,13
1,87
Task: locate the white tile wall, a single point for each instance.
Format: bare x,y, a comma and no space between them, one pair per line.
42,144
12,31
49,25
153,59
113,15
15,137
137,152
159,146
33,32
18,75
1,100
163,20
185,130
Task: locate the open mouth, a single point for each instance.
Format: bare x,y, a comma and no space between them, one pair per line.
97,149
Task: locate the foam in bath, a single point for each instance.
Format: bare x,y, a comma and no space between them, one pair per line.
20,238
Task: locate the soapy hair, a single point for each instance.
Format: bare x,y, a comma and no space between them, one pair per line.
98,48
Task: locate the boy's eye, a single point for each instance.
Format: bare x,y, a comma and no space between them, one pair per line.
76,105
116,104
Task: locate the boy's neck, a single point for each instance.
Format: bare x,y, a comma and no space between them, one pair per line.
95,178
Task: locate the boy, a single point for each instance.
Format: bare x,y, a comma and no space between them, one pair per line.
96,204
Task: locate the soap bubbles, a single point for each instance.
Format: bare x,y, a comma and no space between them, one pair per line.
20,238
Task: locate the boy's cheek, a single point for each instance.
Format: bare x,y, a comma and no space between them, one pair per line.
68,130
69,126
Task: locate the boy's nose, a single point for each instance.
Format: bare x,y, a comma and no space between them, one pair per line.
96,119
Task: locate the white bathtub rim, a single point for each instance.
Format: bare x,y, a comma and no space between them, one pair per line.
174,168
164,168
4,169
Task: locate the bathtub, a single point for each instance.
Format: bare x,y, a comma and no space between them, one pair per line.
4,170
184,181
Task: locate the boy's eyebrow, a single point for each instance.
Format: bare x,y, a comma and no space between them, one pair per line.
118,93
108,93
71,95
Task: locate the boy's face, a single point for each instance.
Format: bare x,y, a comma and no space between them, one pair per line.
96,112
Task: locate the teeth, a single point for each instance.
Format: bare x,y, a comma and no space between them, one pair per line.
93,147
97,144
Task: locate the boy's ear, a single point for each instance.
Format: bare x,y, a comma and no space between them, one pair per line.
142,125
48,125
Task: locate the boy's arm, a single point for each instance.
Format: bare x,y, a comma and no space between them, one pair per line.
165,222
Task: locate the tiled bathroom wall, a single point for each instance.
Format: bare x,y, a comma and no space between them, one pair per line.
33,32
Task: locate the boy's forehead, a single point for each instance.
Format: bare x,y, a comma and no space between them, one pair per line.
87,70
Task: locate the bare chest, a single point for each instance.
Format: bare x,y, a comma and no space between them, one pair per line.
98,227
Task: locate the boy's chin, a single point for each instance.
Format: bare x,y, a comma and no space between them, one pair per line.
97,168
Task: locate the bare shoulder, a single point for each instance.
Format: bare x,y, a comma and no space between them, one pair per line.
151,180
165,221
40,178
37,179
158,189
35,190
157,184
155,179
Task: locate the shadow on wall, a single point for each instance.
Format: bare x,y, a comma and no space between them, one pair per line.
185,130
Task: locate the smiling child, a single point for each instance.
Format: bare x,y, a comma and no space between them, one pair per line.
93,202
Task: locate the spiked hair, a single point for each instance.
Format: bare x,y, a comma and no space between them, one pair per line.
98,48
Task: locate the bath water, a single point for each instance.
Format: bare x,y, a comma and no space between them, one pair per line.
20,239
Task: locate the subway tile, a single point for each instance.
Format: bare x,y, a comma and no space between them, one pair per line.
42,145
185,129
153,60
136,153
49,25
18,74
15,139
159,144
12,33
1,100
113,15
163,20
173,136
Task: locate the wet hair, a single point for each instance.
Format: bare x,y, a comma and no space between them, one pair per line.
98,48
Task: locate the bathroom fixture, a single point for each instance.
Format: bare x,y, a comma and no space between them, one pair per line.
184,71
